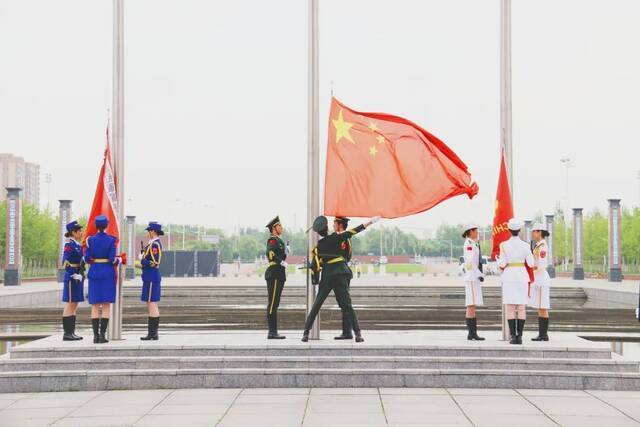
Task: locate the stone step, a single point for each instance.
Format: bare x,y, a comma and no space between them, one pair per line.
308,350
132,379
318,362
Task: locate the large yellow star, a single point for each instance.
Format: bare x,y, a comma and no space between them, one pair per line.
373,150
342,128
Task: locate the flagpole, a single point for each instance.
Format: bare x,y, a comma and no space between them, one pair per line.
505,106
115,325
313,154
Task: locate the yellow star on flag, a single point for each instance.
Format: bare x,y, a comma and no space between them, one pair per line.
373,127
342,128
380,139
373,151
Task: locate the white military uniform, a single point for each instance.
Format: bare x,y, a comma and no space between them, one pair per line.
472,275
514,253
541,286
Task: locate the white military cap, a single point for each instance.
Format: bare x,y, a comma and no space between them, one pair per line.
538,226
514,225
468,227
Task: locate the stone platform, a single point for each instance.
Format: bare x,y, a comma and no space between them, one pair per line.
189,359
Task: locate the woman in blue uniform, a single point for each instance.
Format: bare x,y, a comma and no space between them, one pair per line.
150,260
101,255
73,285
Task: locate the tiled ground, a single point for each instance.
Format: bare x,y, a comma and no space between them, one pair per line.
322,407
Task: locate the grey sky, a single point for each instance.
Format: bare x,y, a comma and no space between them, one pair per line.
216,98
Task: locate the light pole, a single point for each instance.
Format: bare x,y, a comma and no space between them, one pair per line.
566,161
47,179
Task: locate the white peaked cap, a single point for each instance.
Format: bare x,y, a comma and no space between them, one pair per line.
539,226
514,225
468,227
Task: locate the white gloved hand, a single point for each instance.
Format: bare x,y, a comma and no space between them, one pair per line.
284,264
117,261
375,219
77,277
287,249
638,313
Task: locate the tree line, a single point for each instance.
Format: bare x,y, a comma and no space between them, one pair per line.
40,238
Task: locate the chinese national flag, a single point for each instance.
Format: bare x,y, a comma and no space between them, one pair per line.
379,164
105,200
503,210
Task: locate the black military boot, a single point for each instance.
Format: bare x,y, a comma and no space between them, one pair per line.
66,327
472,326
305,336
103,330
95,323
359,336
512,331
543,327
73,328
152,329
346,329
520,330
273,328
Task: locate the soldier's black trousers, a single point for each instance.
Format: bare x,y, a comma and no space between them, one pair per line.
274,290
340,286
346,324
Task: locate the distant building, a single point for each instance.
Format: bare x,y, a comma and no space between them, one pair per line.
15,172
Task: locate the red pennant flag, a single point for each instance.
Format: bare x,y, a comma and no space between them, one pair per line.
379,164
105,200
503,210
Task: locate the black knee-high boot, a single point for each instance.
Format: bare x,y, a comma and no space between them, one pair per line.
472,327
66,327
73,328
103,330
512,331
152,329
95,324
520,330
543,327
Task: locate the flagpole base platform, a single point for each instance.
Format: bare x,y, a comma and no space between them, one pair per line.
228,359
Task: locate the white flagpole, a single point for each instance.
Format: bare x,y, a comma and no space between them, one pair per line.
505,106
313,155
115,325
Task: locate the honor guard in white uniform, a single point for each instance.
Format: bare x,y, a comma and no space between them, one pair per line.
473,278
515,256
540,287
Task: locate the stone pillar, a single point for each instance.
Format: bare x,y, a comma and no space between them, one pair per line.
551,268
615,249
578,252
528,225
13,238
130,270
64,217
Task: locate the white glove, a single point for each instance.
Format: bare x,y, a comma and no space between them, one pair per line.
375,219
287,250
284,264
117,261
638,313
77,277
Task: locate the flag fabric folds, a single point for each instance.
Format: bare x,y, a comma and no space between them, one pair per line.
503,210
105,199
379,164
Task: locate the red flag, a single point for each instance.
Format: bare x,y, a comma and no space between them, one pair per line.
379,164
105,200
503,210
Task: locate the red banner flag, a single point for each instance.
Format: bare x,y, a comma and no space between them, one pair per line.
379,164
503,210
105,200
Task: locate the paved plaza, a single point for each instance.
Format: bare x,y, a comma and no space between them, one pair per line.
369,407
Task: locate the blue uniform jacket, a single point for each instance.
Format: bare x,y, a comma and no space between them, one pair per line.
72,257
150,261
100,253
